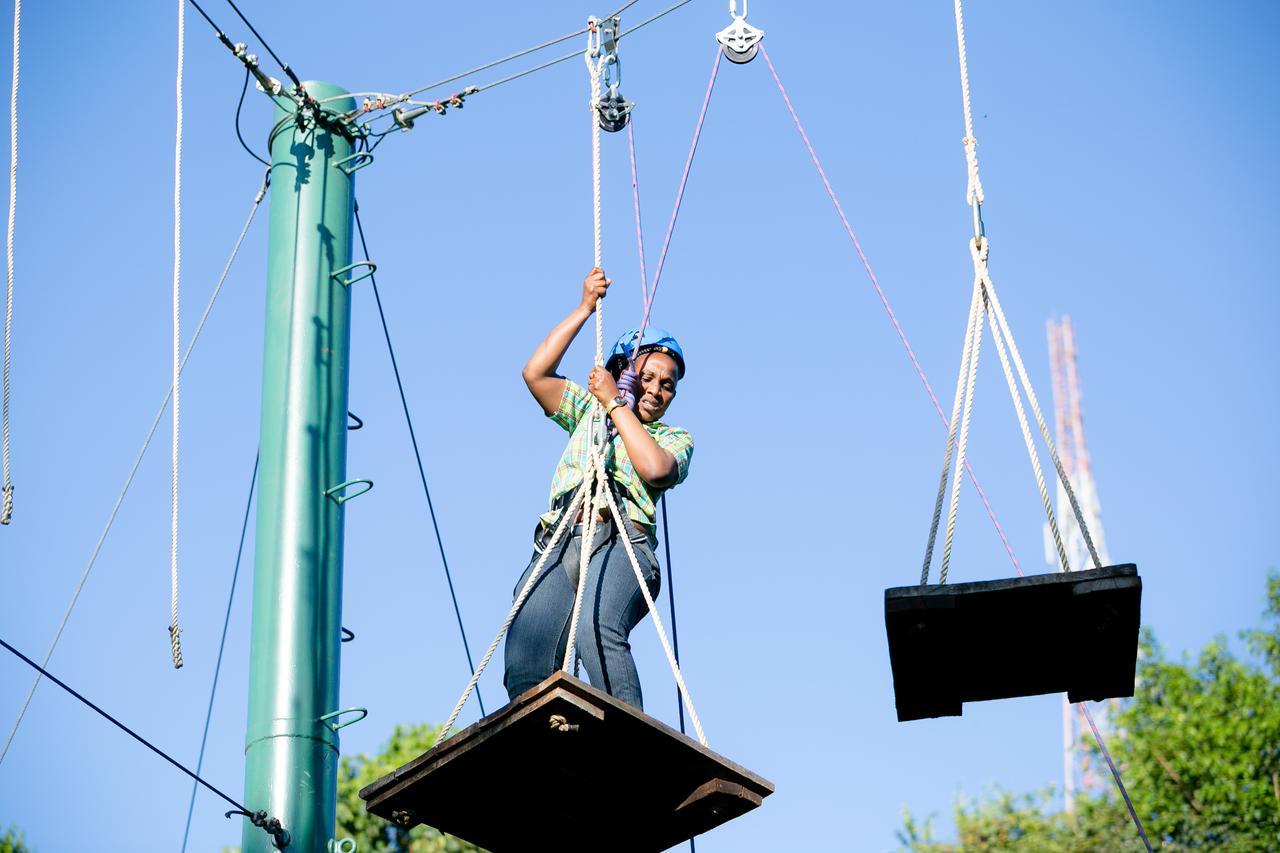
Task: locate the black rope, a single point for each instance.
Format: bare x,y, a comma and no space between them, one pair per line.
238,135
217,667
270,825
417,455
284,66
671,603
675,634
222,37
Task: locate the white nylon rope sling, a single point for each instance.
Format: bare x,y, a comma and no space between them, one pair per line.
983,305
6,491
595,476
175,641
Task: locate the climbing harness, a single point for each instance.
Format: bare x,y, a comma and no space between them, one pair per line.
740,40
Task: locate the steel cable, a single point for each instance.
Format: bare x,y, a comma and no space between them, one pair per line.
137,462
222,644
417,455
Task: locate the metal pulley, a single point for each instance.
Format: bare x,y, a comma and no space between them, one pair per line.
613,110
740,40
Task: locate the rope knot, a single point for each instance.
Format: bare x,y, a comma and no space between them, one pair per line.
974,192
176,645
980,249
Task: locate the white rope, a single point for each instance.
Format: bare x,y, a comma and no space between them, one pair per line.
997,335
174,631
593,472
137,462
1006,349
966,357
653,612
6,491
974,191
1076,509
550,547
591,478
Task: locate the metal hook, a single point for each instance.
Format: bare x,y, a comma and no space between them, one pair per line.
332,492
333,715
347,635
357,423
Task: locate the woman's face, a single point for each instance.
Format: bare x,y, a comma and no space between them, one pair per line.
657,389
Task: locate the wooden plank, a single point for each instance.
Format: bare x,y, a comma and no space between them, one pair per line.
1073,632
623,781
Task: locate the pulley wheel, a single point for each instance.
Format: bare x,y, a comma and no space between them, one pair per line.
741,57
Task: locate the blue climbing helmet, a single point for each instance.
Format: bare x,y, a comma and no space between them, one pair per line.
655,340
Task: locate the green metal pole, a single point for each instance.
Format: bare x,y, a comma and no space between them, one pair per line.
291,753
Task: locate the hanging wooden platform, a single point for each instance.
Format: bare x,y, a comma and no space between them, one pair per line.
1069,631
569,767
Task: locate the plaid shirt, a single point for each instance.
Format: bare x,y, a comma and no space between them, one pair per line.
638,496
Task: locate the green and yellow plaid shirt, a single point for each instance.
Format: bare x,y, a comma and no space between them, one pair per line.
640,498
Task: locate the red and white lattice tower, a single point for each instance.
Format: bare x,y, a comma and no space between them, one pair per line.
1069,428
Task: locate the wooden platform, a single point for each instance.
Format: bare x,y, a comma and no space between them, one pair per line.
568,767
1069,631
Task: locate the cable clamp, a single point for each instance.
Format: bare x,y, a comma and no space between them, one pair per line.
740,40
279,835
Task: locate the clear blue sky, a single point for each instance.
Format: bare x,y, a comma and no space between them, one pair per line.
1129,157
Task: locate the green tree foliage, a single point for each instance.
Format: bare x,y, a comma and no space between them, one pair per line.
11,842
373,834
1199,750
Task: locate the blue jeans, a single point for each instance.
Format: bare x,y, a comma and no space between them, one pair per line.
612,605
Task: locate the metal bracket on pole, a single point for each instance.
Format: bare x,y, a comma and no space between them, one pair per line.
740,40
332,492
333,715
354,162
337,275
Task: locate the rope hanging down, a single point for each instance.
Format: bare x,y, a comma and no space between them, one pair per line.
985,304
595,481
137,462
6,490
175,641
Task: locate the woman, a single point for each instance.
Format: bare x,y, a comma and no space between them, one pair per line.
644,458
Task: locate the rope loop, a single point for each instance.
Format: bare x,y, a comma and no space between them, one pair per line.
973,194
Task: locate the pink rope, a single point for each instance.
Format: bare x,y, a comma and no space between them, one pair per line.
884,300
684,179
635,197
